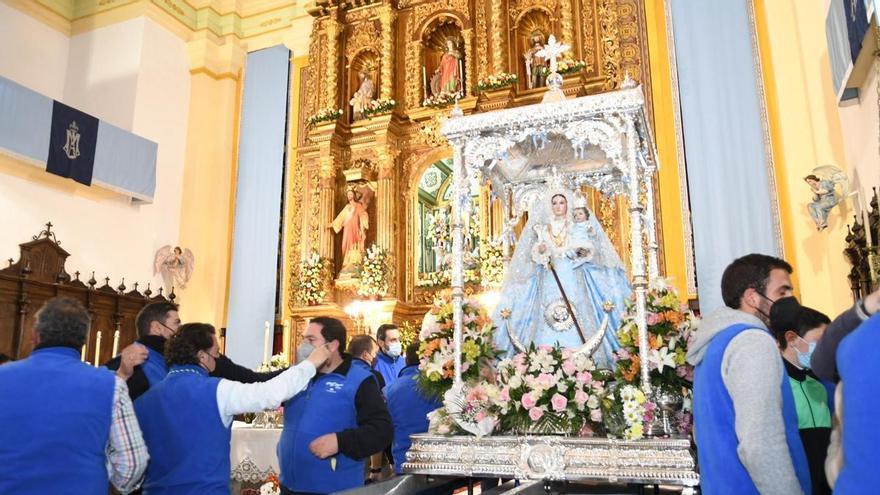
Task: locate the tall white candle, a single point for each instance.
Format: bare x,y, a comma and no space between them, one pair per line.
82,354
115,343
98,349
266,343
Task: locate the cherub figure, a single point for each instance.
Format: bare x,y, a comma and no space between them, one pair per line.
824,200
175,265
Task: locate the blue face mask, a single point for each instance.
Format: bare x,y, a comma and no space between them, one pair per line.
804,358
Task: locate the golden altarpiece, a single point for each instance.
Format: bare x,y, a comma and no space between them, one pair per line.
400,158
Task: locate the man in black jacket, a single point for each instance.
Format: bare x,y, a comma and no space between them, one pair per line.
155,323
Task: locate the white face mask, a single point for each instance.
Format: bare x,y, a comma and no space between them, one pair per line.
394,349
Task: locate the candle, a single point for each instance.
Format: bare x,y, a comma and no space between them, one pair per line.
424,83
98,349
266,343
82,354
115,343
285,345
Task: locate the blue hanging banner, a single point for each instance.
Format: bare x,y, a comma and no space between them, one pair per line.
72,142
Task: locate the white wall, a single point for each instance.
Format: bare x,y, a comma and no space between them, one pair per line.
133,74
861,128
32,53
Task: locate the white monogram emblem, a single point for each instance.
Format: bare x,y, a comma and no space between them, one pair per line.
71,147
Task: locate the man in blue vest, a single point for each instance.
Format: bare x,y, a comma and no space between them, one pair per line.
68,428
408,406
156,323
333,425
745,419
389,362
187,417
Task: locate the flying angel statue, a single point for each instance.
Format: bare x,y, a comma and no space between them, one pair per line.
829,185
176,266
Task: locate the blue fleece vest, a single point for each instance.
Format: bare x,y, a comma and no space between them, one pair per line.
409,409
859,364
389,368
721,471
325,406
55,416
185,435
154,367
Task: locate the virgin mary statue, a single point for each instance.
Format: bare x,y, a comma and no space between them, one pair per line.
587,267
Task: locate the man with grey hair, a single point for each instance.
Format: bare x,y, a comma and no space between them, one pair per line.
68,427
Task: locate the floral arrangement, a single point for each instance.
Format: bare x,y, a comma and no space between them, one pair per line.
310,286
496,81
409,332
626,411
376,107
566,66
492,264
275,363
441,100
325,115
272,485
467,408
669,329
436,363
549,390
437,230
373,272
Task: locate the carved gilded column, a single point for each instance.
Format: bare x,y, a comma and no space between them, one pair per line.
567,23
386,210
470,66
326,188
482,62
332,30
497,30
386,77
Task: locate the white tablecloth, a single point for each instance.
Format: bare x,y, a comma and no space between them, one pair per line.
252,454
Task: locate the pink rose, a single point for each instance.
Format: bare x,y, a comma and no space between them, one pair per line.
653,318
519,360
567,354
558,402
581,397
623,354
480,416
545,380
535,413
505,394
528,401
584,377
568,367
546,348
596,415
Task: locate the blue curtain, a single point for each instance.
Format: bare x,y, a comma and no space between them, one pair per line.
724,145
257,203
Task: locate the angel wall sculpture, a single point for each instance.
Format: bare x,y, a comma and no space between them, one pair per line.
175,265
825,181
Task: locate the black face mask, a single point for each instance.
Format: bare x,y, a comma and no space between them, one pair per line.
772,303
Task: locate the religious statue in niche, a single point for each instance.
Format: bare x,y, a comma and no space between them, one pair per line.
447,76
363,96
824,182
563,272
175,265
353,221
536,65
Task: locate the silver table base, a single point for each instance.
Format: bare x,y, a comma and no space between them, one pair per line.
555,458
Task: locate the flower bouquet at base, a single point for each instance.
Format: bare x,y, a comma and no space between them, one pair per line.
373,273
309,282
670,325
437,350
441,100
272,485
496,81
626,411
376,107
467,408
550,390
325,115
271,418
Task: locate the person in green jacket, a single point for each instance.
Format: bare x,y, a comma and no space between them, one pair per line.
797,330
